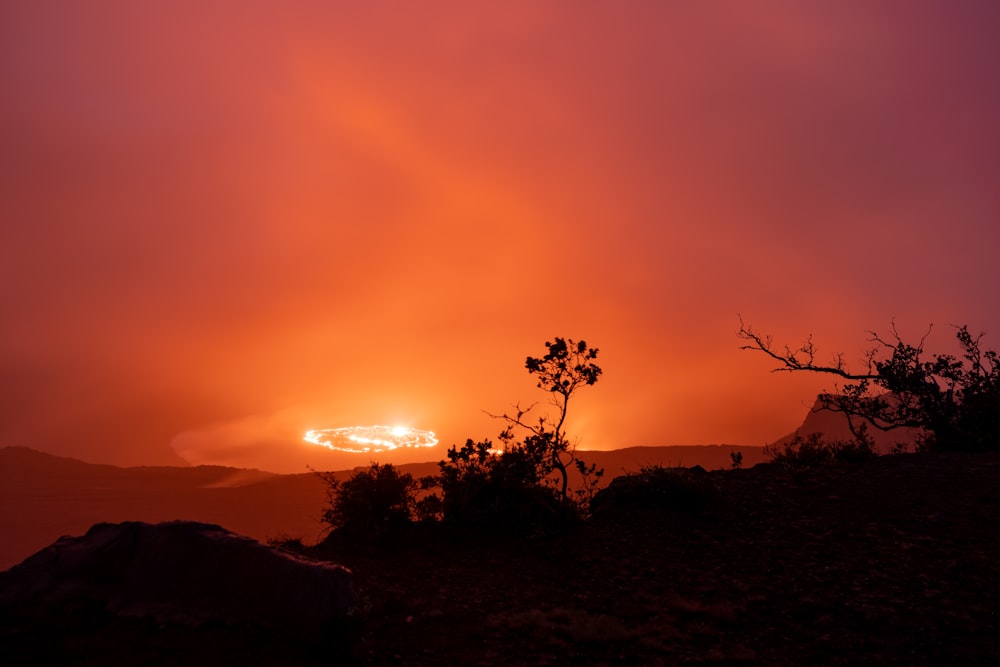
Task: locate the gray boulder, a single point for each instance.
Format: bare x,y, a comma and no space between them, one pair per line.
185,573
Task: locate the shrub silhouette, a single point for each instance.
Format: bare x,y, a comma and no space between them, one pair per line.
483,485
813,451
371,502
658,488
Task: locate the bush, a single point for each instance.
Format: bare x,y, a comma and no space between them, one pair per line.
372,502
482,485
658,488
814,451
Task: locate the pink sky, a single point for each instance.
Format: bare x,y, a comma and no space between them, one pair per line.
225,223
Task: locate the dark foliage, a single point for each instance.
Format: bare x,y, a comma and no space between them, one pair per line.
954,401
372,502
737,460
522,484
483,485
658,488
815,451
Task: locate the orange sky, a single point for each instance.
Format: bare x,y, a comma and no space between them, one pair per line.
224,223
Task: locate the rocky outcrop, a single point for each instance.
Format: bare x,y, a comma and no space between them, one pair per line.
185,573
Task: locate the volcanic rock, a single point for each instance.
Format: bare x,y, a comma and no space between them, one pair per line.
184,573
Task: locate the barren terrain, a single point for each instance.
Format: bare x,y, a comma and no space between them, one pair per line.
890,562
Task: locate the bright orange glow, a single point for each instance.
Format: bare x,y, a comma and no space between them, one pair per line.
365,439
225,223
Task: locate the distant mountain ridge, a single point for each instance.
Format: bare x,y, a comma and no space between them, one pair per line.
43,496
631,459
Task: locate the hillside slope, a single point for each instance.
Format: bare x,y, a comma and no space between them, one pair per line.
43,497
891,562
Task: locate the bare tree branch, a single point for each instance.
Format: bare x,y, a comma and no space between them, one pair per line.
955,402
791,361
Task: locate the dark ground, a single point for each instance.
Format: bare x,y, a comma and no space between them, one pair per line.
892,562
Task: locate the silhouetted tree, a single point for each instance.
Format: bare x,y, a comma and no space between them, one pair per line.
371,501
512,481
955,402
566,367
482,484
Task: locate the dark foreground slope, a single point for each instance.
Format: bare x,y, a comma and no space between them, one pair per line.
892,562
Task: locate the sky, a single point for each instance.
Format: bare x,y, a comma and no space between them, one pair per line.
225,223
